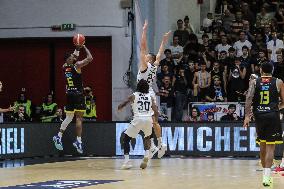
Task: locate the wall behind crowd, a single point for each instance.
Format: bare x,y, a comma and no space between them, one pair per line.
32,19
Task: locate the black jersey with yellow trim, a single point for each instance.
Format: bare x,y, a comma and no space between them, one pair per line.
73,78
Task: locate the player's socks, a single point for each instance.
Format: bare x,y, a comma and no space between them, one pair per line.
267,180
145,160
159,142
152,143
60,134
153,151
79,139
126,164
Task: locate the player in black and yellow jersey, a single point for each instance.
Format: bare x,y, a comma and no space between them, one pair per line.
75,97
263,95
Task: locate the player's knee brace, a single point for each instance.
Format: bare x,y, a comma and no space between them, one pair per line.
126,144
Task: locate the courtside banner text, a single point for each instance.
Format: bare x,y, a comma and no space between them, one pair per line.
205,139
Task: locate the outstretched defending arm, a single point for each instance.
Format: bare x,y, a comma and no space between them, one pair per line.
86,61
162,47
143,48
123,104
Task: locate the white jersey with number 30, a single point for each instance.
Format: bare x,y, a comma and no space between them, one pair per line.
149,74
142,105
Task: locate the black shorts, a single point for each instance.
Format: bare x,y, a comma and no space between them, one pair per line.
75,102
268,128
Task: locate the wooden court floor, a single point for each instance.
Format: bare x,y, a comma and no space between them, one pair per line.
168,173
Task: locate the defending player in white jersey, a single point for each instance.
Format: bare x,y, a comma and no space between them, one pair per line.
143,106
148,71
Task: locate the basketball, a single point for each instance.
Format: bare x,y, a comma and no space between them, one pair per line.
79,39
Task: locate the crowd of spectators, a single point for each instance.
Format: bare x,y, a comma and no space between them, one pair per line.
48,111
236,40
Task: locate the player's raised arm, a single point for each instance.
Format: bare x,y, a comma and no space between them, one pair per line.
86,61
143,47
123,104
162,47
249,98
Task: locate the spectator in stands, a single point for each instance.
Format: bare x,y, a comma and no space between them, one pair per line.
90,101
215,40
246,61
176,49
182,34
259,42
231,115
237,26
238,45
220,73
48,109
205,42
237,82
168,60
223,46
279,16
259,61
248,31
230,60
164,72
279,68
247,13
36,117
180,92
188,26
210,117
274,45
201,82
262,18
207,23
22,100
216,93
267,33
194,115
192,47
21,115
227,20
166,93
59,116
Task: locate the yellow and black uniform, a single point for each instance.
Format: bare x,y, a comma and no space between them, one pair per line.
48,112
91,112
266,112
74,89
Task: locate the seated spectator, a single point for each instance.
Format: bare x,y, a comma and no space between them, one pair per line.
205,42
223,46
210,117
248,31
183,35
194,115
216,93
188,26
48,109
247,13
168,60
183,62
230,60
207,23
220,73
90,100
180,92
279,68
20,115
201,82
189,74
23,101
237,26
192,47
262,18
261,58
259,42
227,20
166,93
215,40
237,82
238,45
274,45
231,115
59,116
176,49
267,33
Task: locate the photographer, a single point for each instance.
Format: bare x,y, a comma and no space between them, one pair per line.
90,100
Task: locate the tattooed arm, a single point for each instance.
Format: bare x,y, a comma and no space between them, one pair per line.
249,98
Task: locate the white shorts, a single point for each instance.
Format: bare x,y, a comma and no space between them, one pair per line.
138,124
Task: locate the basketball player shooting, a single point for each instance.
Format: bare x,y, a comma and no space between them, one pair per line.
148,71
143,104
263,95
75,97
